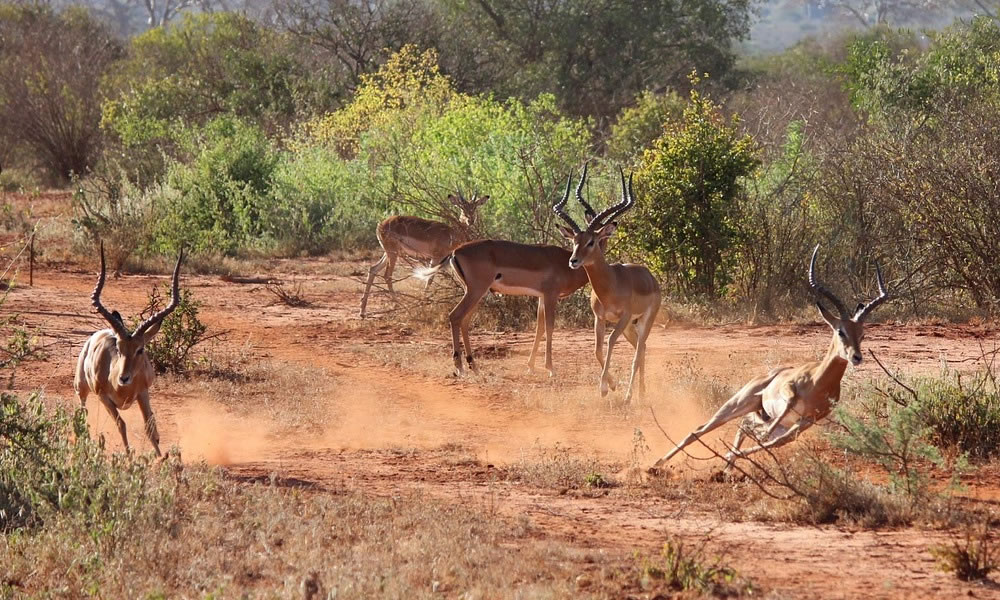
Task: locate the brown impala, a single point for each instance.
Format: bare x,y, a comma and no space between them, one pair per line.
113,363
420,238
626,295
515,269
789,400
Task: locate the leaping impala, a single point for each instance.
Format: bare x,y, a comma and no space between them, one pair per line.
421,238
514,269
789,400
625,294
113,363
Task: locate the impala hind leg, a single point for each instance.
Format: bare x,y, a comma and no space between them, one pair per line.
599,329
459,319
388,272
550,324
639,360
372,271
744,402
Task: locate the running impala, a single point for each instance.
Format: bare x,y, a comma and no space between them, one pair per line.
788,400
113,363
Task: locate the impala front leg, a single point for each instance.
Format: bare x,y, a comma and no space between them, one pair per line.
117,418
617,331
150,421
539,324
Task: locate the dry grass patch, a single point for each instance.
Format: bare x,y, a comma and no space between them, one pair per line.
558,467
291,395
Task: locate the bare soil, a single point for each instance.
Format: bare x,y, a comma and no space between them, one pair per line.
372,405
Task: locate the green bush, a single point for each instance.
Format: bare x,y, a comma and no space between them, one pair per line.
51,469
637,127
203,67
182,330
688,186
962,413
322,202
219,201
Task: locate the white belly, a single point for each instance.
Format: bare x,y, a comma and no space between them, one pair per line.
513,290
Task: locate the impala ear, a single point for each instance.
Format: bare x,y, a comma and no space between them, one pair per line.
857,310
605,232
827,316
567,233
151,332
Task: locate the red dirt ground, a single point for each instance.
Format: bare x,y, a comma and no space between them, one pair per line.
383,426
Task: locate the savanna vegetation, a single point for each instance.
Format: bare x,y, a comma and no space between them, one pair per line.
290,129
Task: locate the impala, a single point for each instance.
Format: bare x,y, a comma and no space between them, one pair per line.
421,238
113,363
624,294
515,269
789,400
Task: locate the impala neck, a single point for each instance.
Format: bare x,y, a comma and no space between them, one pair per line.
832,367
601,275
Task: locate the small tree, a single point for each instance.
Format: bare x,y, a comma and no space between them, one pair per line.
688,185
49,101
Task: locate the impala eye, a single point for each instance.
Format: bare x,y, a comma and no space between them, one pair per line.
841,333
590,243
138,352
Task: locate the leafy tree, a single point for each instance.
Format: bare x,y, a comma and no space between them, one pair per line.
596,55
49,98
637,127
206,66
689,182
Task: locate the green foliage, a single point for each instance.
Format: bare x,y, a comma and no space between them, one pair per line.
897,445
205,66
689,183
961,413
777,227
182,330
410,139
637,127
51,470
681,569
892,81
219,200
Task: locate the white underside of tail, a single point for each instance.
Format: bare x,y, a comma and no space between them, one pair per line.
425,273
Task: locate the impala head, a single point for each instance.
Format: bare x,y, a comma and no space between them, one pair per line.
131,345
589,244
468,208
849,330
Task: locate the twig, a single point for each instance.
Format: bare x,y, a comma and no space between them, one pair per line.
894,378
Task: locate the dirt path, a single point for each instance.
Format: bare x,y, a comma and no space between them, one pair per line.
384,416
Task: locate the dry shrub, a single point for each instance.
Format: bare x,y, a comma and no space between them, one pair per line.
973,556
558,467
678,567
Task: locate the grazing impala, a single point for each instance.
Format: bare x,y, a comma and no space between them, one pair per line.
113,363
421,238
515,269
626,295
789,400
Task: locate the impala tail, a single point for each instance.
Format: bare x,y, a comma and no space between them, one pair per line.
425,273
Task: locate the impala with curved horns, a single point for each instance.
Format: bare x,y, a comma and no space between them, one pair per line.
514,269
113,363
421,238
789,400
625,294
